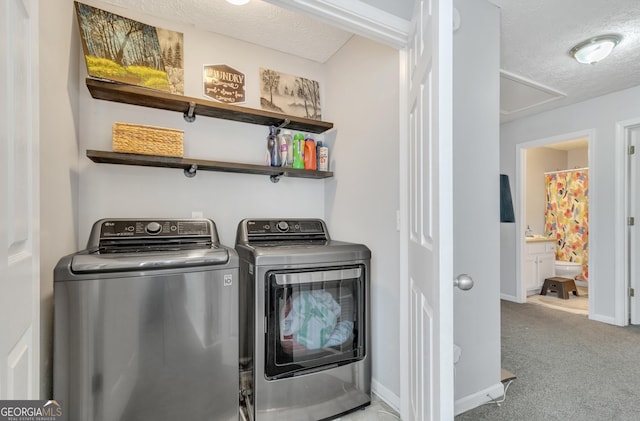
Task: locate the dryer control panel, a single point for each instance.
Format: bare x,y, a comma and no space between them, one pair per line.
285,226
282,230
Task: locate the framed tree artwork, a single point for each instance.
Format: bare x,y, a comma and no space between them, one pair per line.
124,50
287,94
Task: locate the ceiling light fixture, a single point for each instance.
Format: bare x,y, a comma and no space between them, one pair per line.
594,49
238,2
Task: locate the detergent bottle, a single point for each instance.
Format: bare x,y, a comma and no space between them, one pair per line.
309,154
298,151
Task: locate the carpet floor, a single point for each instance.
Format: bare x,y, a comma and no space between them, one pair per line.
567,366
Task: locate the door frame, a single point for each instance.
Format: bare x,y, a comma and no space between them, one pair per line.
520,200
404,229
623,260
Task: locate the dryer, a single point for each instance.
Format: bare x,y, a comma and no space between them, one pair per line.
304,321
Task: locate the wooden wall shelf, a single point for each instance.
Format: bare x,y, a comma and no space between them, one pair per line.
191,107
190,166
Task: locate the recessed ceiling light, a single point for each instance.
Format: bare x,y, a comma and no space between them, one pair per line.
595,49
238,2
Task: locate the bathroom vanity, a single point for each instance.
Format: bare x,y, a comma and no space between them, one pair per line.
539,262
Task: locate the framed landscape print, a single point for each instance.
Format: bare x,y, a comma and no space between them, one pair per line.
124,50
293,95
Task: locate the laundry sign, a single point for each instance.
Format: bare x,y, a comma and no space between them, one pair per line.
223,83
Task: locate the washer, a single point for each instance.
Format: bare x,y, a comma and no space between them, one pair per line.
146,324
304,321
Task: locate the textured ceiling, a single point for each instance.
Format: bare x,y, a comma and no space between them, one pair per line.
536,36
257,22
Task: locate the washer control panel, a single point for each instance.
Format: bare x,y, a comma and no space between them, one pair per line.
155,228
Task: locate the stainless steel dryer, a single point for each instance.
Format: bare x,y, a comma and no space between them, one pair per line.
304,321
146,324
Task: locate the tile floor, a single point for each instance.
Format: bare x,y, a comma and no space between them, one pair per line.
377,411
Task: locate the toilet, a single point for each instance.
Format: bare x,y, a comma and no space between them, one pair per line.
568,269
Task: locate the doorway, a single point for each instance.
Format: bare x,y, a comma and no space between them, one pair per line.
537,163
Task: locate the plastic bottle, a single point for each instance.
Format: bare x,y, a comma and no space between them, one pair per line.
283,152
318,146
286,146
323,157
528,232
298,151
310,154
274,149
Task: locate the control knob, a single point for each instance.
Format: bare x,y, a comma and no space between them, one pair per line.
283,226
153,228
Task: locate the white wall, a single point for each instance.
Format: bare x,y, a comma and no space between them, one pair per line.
578,158
600,115
58,160
539,161
125,191
476,196
362,198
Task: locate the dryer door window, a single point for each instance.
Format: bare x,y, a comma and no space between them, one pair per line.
314,319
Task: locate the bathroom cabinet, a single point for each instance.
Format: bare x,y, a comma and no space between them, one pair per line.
539,264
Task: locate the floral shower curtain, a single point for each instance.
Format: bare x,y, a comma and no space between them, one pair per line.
567,216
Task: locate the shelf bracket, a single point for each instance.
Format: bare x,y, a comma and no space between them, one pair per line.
190,115
275,177
284,123
191,171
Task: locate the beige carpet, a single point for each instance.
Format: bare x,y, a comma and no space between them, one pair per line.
576,305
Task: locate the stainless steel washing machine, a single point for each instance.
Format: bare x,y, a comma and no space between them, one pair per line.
146,324
304,321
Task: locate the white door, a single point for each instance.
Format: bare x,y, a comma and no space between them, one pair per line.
19,253
426,195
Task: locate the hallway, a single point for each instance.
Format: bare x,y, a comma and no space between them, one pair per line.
567,368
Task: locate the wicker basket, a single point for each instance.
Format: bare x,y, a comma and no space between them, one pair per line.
147,140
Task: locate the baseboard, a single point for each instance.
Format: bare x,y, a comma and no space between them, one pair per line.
604,319
509,298
473,401
386,395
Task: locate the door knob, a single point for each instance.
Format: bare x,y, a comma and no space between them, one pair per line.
463,281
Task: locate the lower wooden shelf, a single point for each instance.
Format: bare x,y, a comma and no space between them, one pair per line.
191,166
